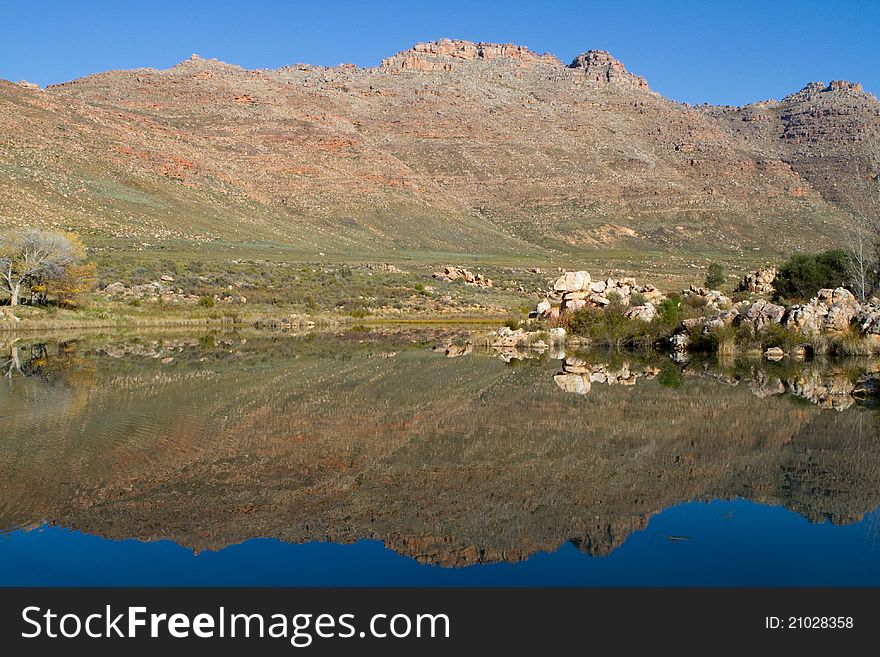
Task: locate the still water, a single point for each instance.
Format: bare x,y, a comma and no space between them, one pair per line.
411,457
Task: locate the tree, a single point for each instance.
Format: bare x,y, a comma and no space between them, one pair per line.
861,257
715,277
862,234
804,274
32,256
74,280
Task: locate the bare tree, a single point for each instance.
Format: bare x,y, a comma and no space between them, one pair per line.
31,255
861,261
862,237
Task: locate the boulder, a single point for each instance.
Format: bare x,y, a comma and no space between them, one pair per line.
543,307
571,296
805,318
645,312
758,282
116,288
572,281
839,317
762,314
573,305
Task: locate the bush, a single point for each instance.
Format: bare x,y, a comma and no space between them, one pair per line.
777,335
715,276
637,299
669,311
512,323
804,274
206,301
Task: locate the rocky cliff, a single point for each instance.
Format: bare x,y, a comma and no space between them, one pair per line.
448,146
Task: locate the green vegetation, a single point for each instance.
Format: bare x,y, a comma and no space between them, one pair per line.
802,275
612,328
715,277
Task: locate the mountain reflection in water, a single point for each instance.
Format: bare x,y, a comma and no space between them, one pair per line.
373,437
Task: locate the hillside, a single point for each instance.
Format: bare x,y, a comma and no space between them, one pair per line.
448,147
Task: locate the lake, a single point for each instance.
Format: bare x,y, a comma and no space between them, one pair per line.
416,456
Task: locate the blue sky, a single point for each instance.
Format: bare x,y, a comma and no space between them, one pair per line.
717,51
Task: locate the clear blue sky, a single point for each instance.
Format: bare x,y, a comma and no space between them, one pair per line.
719,51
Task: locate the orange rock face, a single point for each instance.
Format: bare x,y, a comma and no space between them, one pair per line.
450,146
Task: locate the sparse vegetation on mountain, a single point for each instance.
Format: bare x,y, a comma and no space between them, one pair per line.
448,148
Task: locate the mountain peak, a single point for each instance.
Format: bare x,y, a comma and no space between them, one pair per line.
445,54
601,67
814,89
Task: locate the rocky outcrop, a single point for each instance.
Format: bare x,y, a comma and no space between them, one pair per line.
868,320
446,54
704,297
759,281
578,290
162,290
830,311
600,67
450,274
762,314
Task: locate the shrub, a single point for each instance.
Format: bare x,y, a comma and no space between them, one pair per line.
715,276
206,301
669,311
695,301
802,275
637,299
512,323
777,335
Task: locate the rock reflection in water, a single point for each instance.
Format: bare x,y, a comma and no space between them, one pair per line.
212,440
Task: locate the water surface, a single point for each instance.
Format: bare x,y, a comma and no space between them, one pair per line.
413,457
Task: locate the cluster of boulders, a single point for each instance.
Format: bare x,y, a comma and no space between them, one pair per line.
578,376
385,267
703,296
830,312
6,315
577,290
164,291
457,273
759,281
150,291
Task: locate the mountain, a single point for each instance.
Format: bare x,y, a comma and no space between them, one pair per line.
450,146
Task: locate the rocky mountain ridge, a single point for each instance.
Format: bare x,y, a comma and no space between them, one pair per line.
448,146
